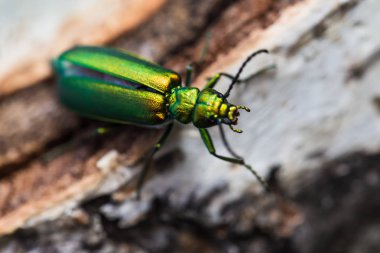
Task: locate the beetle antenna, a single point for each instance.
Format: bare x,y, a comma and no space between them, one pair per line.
236,78
225,142
245,108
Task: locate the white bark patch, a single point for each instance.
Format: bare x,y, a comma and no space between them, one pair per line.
306,112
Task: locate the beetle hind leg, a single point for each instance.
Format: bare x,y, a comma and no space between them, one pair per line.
149,159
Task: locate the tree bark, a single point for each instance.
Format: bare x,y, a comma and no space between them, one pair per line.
313,133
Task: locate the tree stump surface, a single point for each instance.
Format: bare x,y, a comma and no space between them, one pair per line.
313,133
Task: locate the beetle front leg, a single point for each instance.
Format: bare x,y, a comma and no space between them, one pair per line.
149,159
210,147
214,80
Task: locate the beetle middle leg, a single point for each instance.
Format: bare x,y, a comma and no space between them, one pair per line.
149,159
61,149
238,160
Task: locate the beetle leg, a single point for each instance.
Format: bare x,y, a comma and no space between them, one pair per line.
189,72
71,144
214,80
210,147
149,159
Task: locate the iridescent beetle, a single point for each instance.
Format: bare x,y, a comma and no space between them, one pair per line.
117,86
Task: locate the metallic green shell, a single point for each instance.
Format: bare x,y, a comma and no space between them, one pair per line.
123,65
114,85
110,102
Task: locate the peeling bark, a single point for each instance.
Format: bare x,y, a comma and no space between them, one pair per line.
314,134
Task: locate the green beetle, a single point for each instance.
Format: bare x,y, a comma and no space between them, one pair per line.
117,86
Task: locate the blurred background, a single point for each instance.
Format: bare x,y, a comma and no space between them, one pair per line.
313,131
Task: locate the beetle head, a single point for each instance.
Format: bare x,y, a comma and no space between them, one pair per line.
212,108
229,114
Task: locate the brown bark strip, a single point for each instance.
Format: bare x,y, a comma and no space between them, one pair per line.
82,28
34,187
